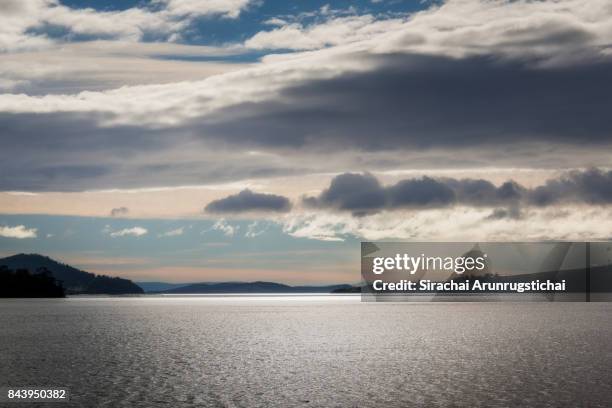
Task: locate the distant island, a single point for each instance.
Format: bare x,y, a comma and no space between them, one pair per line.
23,273
237,288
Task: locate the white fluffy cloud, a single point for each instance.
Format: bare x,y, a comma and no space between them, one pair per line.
336,31
256,229
173,233
225,227
127,232
228,8
18,232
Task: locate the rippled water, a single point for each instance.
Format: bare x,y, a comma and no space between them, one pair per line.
308,351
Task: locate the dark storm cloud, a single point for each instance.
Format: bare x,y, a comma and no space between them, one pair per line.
246,201
75,171
414,101
483,192
420,192
362,194
66,152
593,187
352,192
71,152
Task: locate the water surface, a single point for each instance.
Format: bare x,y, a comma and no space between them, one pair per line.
322,351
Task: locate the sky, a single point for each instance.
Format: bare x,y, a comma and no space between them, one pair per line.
213,140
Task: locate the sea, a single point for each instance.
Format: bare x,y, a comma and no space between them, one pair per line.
307,351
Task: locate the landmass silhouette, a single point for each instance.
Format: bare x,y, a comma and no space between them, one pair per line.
23,284
73,280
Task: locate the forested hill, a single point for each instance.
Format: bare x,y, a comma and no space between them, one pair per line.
74,281
23,284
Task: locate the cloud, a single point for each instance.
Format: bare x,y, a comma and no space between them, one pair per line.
593,186
352,192
420,102
128,232
363,194
172,233
256,229
321,227
454,26
482,192
226,228
18,232
119,211
226,8
335,31
551,32
275,21
512,212
247,201
176,157
484,83
70,68
576,223
24,23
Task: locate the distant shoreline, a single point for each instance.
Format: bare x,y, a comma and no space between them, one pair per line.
178,295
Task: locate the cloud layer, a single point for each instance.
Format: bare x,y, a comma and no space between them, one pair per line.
23,23
465,83
363,194
575,222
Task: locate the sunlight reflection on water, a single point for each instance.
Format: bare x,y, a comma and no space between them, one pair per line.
308,350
